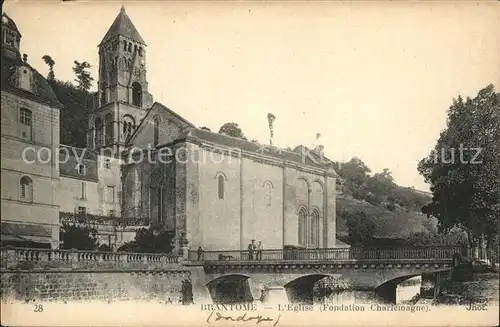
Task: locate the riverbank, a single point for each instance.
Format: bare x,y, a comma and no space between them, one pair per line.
484,287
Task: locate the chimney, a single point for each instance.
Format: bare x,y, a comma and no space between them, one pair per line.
319,149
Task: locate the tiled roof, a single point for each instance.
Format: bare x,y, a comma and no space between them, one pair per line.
123,26
44,92
259,149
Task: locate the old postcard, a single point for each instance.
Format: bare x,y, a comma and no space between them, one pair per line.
324,163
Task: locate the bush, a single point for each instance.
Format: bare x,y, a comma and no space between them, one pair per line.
78,237
361,228
150,240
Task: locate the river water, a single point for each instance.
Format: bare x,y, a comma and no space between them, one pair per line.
404,294
484,287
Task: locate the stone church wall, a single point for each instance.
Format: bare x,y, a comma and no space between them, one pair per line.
219,218
262,204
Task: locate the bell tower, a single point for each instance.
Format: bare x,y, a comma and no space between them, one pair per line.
11,38
122,97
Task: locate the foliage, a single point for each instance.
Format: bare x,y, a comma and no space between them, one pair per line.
83,77
270,119
150,240
424,238
78,237
74,117
232,129
465,189
50,62
361,228
377,189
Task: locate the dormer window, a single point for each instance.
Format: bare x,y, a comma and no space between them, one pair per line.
25,77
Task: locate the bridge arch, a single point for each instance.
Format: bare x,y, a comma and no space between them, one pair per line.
387,290
230,289
300,290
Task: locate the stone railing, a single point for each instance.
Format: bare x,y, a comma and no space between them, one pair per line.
416,253
97,220
28,258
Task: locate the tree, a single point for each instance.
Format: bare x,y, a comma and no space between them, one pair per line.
78,237
232,129
380,186
464,168
355,174
50,62
361,227
83,77
74,118
270,119
151,240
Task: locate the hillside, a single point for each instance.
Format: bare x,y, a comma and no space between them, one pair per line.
399,223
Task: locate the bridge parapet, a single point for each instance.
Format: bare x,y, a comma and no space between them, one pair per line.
28,258
353,254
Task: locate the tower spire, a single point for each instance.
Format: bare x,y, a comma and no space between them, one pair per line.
123,26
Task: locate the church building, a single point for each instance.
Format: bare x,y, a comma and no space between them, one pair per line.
148,163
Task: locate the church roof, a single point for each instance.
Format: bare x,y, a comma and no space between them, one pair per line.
259,149
42,91
8,22
123,26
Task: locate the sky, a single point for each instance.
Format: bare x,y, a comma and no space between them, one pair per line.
375,79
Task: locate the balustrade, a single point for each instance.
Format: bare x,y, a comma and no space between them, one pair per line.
11,257
335,254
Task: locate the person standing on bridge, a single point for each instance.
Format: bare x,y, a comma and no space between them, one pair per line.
251,248
200,253
259,251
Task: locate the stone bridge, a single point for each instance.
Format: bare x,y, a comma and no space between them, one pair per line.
231,276
219,276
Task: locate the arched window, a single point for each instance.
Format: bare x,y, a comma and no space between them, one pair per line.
135,48
302,226
140,51
156,131
268,189
26,191
98,132
104,98
128,124
137,94
156,197
220,186
315,228
25,118
109,129
130,47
